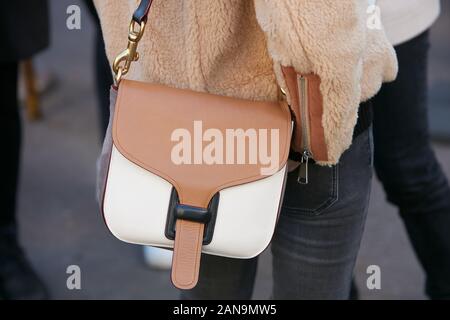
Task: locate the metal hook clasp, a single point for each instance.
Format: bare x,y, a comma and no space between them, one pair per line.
123,61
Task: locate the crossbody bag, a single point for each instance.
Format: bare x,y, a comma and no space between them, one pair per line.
189,170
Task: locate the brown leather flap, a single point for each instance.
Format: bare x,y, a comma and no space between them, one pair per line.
146,116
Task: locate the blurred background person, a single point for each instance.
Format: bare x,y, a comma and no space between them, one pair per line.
405,162
24,32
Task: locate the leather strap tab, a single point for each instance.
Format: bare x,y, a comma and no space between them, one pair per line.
290,77
142,11
186,253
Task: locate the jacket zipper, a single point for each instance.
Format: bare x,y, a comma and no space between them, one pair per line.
302,83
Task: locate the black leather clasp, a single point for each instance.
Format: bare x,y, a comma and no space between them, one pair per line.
192,213
181,211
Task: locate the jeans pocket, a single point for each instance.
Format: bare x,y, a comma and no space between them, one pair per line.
313,198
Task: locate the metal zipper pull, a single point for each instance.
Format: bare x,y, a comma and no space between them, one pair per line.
303,168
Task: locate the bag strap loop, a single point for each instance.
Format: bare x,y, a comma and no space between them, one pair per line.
123,61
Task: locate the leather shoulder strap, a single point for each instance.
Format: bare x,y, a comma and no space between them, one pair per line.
141,12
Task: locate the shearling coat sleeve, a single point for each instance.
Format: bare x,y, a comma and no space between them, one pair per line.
329,38
333,40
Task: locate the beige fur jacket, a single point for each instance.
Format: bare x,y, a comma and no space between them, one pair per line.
237,48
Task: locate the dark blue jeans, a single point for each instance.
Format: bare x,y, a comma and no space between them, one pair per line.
316,240
407,167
